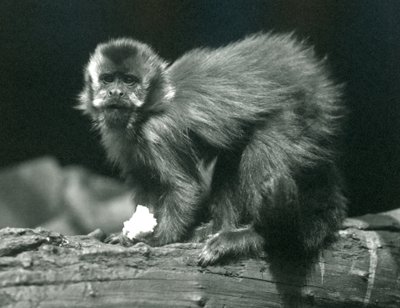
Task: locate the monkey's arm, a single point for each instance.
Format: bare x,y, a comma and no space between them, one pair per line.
179,188
174,195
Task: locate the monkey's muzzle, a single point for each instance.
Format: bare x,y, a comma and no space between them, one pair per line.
117,113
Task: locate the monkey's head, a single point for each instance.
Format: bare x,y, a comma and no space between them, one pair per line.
125,82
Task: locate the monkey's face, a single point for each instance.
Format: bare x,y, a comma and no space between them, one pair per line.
125,82
117,91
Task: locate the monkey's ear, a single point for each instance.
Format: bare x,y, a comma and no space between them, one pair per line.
80,106
86,95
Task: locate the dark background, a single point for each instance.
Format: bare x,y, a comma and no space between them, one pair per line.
46,43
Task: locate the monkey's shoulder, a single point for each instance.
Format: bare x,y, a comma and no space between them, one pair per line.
166,128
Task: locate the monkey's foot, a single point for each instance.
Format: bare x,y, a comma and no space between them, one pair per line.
237,243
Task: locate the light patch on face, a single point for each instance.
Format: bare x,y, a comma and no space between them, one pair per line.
170,93
134,99
99,99
152,137
97,102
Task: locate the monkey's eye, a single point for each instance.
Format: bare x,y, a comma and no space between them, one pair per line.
130,79
107,78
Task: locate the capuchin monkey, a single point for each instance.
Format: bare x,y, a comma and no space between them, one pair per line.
259,117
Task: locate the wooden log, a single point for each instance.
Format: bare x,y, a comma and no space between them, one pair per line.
40,268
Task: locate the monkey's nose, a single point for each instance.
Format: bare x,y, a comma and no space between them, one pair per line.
116,93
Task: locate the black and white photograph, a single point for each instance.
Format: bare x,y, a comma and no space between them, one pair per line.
199,153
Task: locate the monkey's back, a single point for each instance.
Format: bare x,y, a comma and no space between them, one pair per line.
262,79
276,58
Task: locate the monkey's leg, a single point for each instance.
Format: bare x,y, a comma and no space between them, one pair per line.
249,188
202,232
234,229
232,225
273,202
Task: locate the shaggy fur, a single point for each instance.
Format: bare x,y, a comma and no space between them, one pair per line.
260,115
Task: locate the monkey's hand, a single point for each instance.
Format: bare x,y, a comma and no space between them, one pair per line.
235,243
213,250
120,238
138,228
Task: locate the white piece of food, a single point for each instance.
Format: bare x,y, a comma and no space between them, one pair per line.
141,223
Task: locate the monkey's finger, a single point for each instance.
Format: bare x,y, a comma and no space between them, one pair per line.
98,234
207,257
111,239
119,239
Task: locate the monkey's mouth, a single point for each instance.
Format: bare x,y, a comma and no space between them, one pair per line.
117,115
116,107
113,105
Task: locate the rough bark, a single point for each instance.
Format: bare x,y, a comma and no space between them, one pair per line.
40,268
